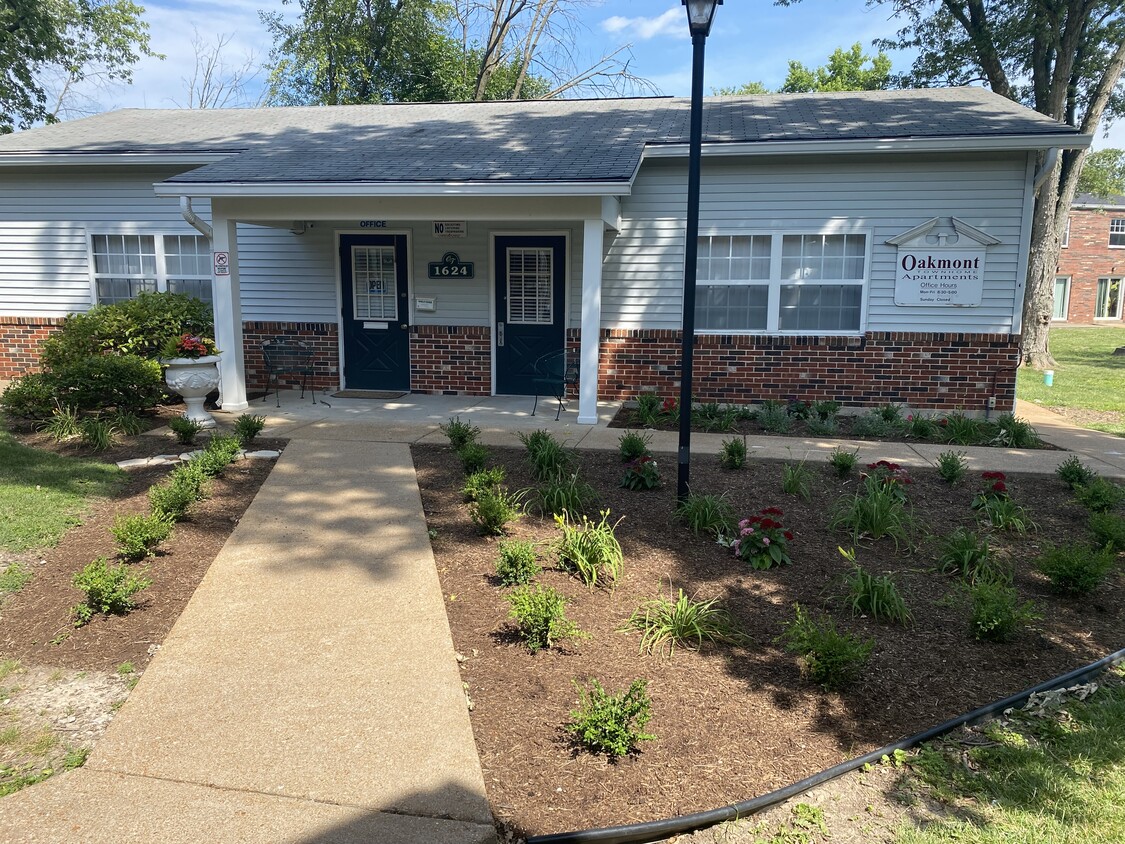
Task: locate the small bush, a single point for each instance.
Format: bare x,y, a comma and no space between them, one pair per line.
1074,473
473,457
951,466
460,433
664,623
997,613
171,498
796,480
824,410
1099,495
632,445
843,462
1108,529
137,537
763,541
823,427
774,418
611,724
65,424
186,430
1077,569
565,495
706,514
547,457
829,658
29,397
518,563
872,424
966,554
732,454
641,474
540,613
891,413
493,510
922,427
482,481
219,453
590,549
247,427
126,382
1015,432
712,417
876,596
961,429
97,434
109,589
648,409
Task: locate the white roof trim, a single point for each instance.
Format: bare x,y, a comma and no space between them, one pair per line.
31,159
251,189
967,143
959,226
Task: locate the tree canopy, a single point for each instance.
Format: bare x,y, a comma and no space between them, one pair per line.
1103,173
845,71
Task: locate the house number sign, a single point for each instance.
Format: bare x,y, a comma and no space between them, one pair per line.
451,266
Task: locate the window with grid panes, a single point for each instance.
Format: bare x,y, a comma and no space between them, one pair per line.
126,265
1117,231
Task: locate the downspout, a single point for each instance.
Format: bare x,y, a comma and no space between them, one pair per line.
1048,166
202,226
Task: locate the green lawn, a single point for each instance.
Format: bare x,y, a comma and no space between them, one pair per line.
42,494
1088,375
1057,779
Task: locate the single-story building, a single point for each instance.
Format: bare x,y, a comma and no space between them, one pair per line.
867,247
1091,272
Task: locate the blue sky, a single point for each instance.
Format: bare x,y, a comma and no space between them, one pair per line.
749,41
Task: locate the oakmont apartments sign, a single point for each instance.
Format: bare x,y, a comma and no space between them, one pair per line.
939,277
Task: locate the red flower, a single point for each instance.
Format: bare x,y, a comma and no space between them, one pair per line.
788,534
999,486
772,511
993,476
669,405
943,422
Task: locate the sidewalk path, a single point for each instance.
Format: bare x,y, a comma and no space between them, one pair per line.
308,693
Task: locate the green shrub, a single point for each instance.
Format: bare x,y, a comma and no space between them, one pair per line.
171,498
818,427
732,454
127,423
649,408
247,427
590,549
97,434
1108,529
664,623
829,658
877,512
493,510
460,433
186,430
997,613
65,424
29,397
922,427
966,554
796,480
219,453
842,462
640,474
473,457
876,596
137,537
1099,495
109,589
125,382
951,466
706,514
961,429
711,417
1015,432
824,410
565,495
891,413
518,563
540,613
1074,473
611,724
547,456
774,417
632,445
478,482
1077,569
872,424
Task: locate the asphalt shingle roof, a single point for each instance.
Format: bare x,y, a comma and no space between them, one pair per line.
561,140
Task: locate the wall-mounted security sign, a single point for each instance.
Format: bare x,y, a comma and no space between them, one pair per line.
451,266
939,277
449,228
222,263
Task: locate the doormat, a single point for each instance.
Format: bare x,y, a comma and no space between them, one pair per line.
368,394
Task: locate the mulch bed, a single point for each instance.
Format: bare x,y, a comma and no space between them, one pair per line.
36,626
736,721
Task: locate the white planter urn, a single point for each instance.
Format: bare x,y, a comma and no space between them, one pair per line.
193,379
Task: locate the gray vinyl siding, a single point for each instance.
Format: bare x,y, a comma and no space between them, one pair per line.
285,277
882,196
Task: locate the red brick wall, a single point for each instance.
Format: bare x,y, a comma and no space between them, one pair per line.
1088,258
938,371
20,339
320,336
451,359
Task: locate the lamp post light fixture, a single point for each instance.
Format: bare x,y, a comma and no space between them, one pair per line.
700,15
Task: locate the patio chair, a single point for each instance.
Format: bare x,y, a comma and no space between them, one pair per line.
284,356
552,378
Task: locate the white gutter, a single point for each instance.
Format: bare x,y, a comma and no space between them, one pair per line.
969,143
32,159
252,189
1048,166
193,219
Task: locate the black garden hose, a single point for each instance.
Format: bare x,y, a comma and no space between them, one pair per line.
659,830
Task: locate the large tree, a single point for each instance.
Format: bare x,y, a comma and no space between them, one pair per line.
845,71
1064,58
65,41
1103,173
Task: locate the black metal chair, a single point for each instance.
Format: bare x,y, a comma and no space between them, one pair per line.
553,375
284,356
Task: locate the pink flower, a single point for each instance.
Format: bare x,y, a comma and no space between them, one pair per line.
746,531
765,540
736,545
745,523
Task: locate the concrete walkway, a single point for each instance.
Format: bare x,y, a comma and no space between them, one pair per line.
309,692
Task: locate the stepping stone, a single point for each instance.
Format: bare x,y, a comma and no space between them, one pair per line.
264,454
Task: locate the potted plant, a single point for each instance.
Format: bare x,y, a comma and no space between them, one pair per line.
192,371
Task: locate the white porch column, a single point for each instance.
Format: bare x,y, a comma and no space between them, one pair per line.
227,305
592,234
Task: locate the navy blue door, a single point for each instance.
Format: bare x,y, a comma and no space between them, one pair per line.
373,271
530,285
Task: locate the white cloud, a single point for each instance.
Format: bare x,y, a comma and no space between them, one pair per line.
672,22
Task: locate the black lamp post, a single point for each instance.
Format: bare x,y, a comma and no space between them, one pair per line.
700,14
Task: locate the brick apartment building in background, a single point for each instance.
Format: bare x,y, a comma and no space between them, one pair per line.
1091,273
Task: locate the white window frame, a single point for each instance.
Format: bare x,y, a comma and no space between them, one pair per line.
1066,299
776,282
157,236
1117,227
1109,279
1066,235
